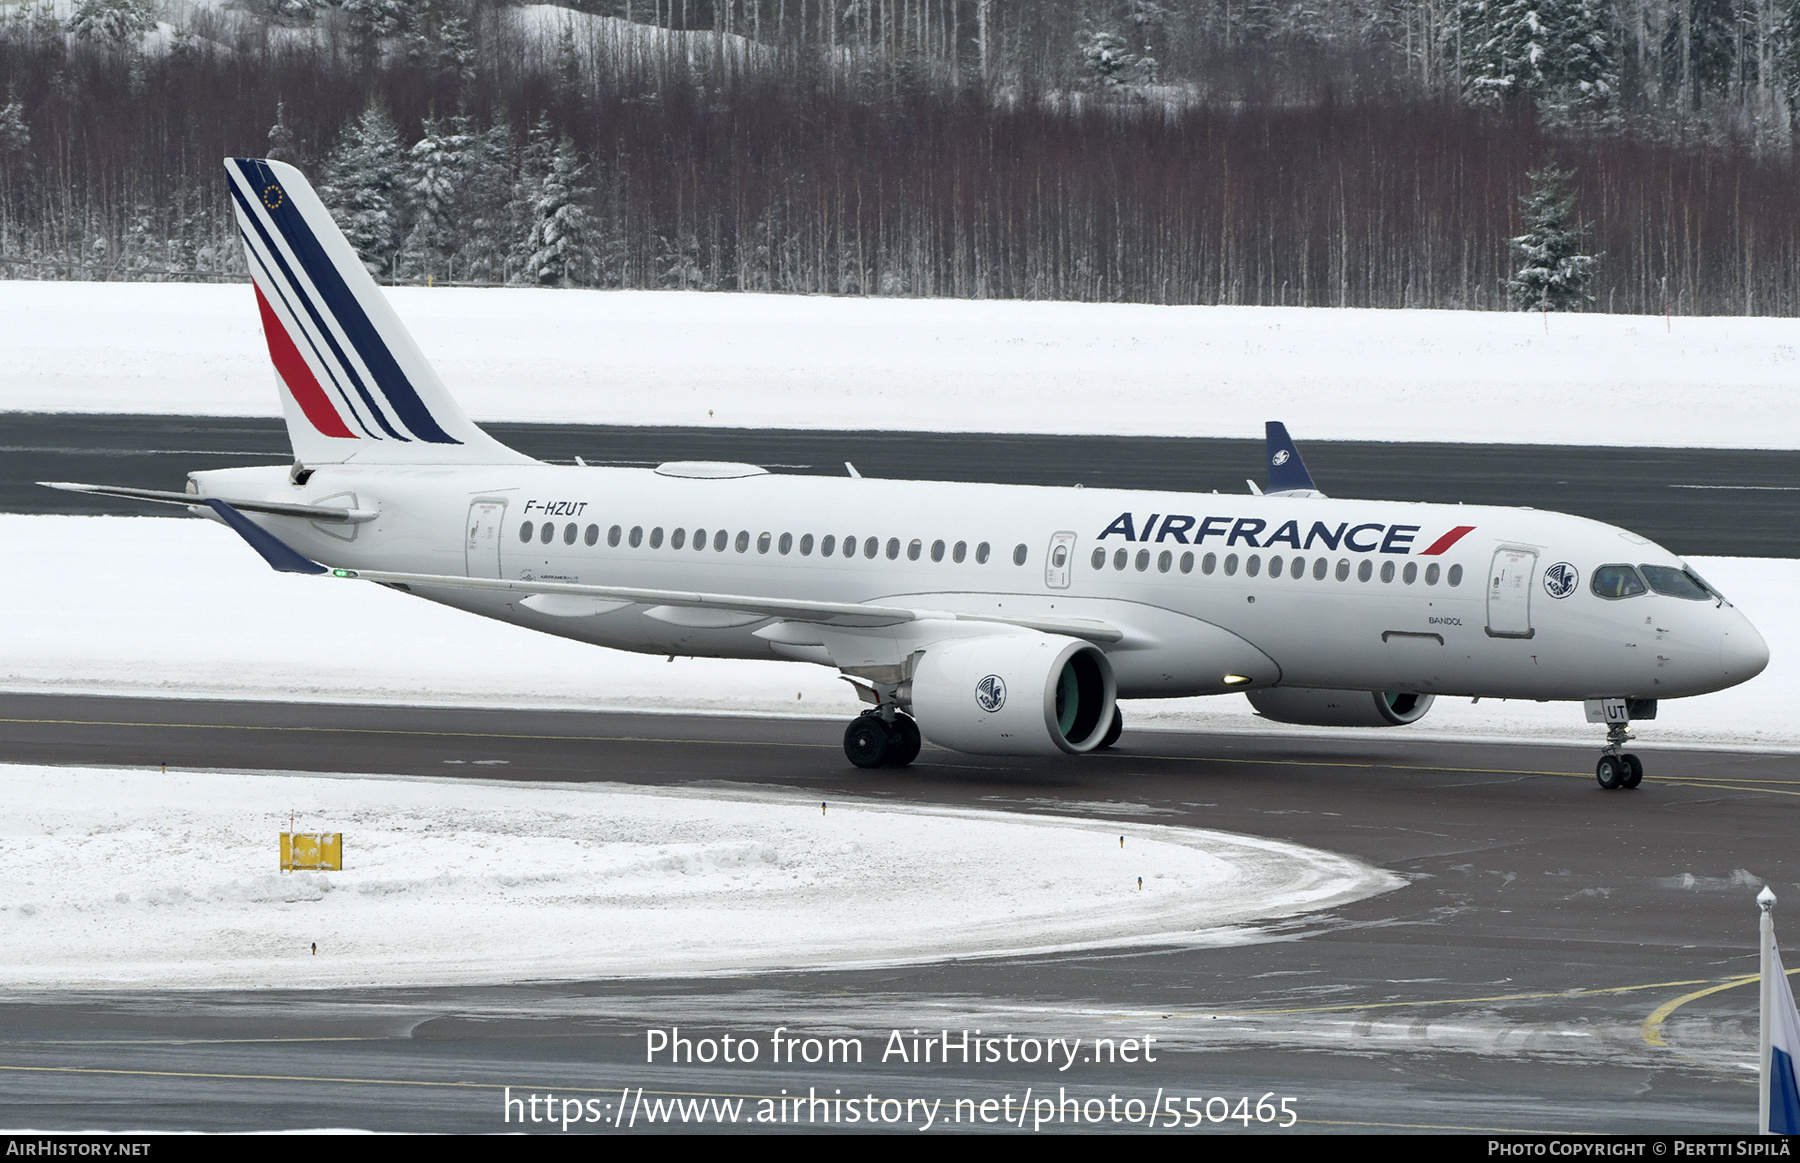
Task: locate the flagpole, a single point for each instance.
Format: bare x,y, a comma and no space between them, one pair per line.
1766,901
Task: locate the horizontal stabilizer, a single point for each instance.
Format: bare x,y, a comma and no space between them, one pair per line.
326,513
274,550
1287,472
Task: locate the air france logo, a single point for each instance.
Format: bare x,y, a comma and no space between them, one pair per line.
1560,580
1280,458
990,693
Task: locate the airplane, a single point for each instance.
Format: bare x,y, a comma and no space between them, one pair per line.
988,619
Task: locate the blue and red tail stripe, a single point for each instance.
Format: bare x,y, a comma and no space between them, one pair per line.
345,342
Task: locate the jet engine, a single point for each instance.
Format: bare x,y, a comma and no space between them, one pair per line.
1014,694
1322,708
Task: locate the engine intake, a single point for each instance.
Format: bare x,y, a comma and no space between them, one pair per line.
1014,694
1323,708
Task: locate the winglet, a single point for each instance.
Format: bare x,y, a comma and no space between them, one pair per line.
274,550
1287,472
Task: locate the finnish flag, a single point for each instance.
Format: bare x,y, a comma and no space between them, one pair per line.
1784,1053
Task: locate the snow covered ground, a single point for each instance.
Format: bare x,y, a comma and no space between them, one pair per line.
731,360
122,878
181,607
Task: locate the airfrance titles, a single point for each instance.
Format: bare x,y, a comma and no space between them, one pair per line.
1368,537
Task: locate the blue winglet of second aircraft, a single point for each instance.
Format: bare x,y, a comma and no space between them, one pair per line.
274,550
1287,472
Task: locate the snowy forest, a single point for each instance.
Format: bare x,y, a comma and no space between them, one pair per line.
1370,153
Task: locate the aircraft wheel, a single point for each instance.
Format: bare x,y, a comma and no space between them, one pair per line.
906,742
867,741
1610,771
1113,732
1634,771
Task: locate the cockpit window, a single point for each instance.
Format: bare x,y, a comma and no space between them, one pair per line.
1617,581
1677,583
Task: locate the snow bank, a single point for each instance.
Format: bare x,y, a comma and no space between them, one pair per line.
732,360
179,607
135,879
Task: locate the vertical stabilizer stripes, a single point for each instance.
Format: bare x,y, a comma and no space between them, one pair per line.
296,326
297,376
337,300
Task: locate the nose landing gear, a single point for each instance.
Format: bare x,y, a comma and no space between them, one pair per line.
1617,768
876,740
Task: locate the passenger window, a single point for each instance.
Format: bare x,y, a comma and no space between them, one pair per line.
937,551
1275,566
827,546
699,539
1020,553
1320,568
1343,569
1099,559
873,546
678,539
1143,560
786,545
526,530
1676,583
762,542
893,548
1617,581
592,537
1164,560
612,537
1207,563
1455,575
743,541
1431,574
981,553
961,551
1387,571
719,540
1187,563
1120,557
914,548
1365,570
655,537
806,544
1411,573
1253,565
849,547
637,536
546,532
570,532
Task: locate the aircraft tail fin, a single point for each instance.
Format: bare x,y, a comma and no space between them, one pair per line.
1287,472
354,386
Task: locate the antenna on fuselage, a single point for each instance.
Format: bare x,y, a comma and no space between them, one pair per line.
1287,472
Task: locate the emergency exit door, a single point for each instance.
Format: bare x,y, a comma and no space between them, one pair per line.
481,548
1509,593
1059,561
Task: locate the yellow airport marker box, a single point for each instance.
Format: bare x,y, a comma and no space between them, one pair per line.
312,852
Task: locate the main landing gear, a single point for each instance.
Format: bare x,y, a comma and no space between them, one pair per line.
1616,768
876,740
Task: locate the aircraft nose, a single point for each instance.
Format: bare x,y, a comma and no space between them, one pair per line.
1742,652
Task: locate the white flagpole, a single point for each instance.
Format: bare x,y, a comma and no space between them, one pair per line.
1766,901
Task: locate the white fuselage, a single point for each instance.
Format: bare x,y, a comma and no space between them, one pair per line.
1358,602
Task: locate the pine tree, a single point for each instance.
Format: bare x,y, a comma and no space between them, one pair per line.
117,22
1108,60
282,146
362,189
561,241
1785,54
1554,53
1553,274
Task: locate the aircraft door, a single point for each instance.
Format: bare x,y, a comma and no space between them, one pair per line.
481,548
1059,562
1509,593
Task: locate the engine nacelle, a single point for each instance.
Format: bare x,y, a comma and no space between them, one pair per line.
1322,708
1014,694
